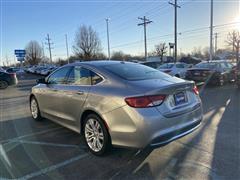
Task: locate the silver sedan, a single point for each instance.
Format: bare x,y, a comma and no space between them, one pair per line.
118,103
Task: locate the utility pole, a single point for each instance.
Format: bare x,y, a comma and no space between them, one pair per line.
49,47
216,36
144,24
43,49
67,47
211,31
107,20
175,28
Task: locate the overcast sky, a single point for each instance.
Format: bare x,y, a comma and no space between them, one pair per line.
22,21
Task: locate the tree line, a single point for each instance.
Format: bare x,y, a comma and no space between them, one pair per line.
87,46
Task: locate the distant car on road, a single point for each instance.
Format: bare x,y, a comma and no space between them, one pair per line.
7,79
118,103
178,69
215,72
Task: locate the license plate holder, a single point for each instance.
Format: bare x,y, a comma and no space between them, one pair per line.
180,98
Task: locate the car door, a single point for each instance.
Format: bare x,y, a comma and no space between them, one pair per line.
74,94
49,94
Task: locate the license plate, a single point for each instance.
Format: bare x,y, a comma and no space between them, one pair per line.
197,73
180,98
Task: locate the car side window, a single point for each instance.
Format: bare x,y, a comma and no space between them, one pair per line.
179,65
59,77
79,76
95,78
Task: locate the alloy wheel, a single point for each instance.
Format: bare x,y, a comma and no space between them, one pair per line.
94,135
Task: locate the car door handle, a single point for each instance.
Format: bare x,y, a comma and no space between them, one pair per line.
80,93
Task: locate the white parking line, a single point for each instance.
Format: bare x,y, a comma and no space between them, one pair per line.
48,144
52,168
28,135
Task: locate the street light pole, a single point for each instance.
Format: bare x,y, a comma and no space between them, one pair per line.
107,20
67,47
211,32
175,28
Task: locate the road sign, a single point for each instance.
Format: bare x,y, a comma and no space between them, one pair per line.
21,59
20,55
19,51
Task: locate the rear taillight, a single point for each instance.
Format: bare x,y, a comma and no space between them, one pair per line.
145,101
13,75
195,90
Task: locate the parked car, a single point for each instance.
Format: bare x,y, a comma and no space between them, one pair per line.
16,70
178,69
7,79
2,70
152,64
215,72
48,70
237,75
118,103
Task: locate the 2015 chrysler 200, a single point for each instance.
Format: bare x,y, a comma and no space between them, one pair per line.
118,103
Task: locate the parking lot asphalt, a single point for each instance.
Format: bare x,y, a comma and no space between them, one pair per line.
45,150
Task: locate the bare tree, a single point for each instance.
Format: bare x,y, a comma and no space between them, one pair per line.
33,52
161,50
119,55
87,43
233,40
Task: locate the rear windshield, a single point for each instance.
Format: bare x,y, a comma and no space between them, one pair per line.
209,65
135,72
166,66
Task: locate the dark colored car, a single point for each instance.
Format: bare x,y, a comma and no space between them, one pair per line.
212,72
7,79
237,75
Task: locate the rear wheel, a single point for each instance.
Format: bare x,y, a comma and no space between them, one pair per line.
35,109
3,84
96,135
221,81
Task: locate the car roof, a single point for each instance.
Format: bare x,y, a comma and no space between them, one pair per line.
99,63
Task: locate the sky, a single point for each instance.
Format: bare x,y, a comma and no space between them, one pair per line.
25,20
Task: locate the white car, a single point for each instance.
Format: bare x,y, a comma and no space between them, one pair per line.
178,69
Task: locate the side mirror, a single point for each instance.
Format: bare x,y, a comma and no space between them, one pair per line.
41,81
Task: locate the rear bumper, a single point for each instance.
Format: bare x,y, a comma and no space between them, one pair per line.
171,136
139,128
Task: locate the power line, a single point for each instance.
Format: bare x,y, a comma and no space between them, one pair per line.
144,24
180,33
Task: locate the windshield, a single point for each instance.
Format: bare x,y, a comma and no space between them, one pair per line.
134,72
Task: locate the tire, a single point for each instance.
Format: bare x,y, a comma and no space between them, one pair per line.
221,81
34,109
3,84
100,142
